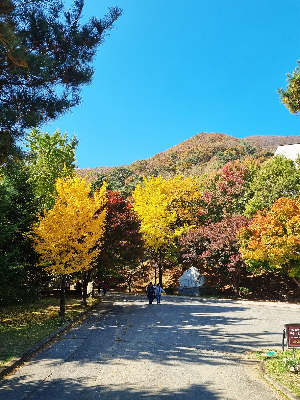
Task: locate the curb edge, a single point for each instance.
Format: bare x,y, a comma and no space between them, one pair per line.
276,384
29,353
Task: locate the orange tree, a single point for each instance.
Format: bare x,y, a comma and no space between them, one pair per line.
67,236
272,241
167,208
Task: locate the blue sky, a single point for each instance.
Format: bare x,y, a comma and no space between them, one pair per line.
175,68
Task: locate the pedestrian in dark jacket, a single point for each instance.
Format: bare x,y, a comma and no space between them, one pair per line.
150,292
105,287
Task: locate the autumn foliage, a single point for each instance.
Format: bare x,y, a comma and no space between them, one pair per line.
214,249
167,208
66,236
273,238
169,218
122,246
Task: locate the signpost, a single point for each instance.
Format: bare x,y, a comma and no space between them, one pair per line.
292,333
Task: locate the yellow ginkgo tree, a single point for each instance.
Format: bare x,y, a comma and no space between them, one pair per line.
67,237
167,209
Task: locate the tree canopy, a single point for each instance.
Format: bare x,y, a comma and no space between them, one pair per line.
290,96
45,58
167,208
226,191
273,239
215,249
17,213
49,157
276,177
122,247
67,237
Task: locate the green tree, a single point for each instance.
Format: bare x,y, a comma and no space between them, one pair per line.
18,274
290,96
45,57
49,157
277,177
120,179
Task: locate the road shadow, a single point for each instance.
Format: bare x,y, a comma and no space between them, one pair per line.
85,389
131,350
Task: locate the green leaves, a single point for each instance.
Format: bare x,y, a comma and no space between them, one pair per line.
290,97
45,56
17,212
49,157
277,177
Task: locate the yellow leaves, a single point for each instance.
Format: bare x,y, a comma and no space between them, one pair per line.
166,208
67,237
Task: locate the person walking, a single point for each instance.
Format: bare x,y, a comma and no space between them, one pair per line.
158,290
99,287
105,287
150,292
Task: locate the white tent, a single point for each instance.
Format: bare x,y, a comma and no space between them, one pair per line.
191,278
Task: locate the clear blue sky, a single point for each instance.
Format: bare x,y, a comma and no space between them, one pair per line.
175,68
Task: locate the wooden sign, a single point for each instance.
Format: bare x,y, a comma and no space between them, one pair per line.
293,335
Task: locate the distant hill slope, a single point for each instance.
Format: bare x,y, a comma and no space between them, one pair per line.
199,154
271,142
206,151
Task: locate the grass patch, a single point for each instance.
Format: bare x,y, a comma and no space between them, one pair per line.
23,326
278,367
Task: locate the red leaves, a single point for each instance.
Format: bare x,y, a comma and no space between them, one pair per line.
223,191
215,246
122,244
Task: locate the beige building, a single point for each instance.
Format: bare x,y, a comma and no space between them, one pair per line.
291,151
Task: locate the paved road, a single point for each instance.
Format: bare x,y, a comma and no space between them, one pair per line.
182,349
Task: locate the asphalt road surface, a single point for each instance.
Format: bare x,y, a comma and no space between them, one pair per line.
185,348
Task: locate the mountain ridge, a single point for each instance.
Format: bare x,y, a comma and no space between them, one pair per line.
199,154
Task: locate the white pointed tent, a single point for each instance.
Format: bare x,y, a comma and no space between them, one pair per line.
191,278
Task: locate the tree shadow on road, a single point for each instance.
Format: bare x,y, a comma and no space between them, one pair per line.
88,389
134,349
209,326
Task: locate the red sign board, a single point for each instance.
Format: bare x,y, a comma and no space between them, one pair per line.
293,335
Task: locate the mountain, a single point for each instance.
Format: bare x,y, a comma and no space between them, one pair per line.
195,156
271,142
206,151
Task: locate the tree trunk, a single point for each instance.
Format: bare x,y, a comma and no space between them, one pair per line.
86,278
160,260
62,309
129,283
236,283
296,280
143,272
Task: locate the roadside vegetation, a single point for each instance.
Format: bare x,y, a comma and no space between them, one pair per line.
283,368
23,326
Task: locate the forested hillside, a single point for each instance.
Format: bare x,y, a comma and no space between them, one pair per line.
200,154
